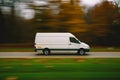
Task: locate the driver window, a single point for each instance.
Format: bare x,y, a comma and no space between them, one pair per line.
73,40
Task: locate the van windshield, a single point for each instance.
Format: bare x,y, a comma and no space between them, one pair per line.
73,40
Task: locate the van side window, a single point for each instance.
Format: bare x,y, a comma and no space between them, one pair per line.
73,40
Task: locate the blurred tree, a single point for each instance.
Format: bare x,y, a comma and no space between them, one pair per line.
116,2
1,22
116,12
63,20
102,17
113,35
45,20
72,18
13,29
69,18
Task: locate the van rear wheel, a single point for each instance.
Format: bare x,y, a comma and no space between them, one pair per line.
46,51
81,51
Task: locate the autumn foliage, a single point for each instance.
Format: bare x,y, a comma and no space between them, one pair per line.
100,25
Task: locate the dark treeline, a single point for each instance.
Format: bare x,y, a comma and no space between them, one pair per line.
99,25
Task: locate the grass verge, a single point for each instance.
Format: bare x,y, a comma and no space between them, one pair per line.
57,69
29,47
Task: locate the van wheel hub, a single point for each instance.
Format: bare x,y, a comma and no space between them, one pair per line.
81,52
46,51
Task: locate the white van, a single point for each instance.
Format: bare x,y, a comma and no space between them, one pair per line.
48,42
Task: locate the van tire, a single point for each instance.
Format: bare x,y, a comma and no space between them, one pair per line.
35,50
81,52
46,51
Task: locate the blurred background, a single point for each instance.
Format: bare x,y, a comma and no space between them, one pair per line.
96,22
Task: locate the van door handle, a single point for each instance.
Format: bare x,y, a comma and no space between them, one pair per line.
69,44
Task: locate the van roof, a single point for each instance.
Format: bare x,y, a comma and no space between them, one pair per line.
55,34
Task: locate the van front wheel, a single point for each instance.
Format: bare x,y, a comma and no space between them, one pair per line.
46,51
81,51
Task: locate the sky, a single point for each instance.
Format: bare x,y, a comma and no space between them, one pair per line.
91,2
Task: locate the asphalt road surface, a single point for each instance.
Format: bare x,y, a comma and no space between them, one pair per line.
35,55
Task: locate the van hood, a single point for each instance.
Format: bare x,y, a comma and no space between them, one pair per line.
85,45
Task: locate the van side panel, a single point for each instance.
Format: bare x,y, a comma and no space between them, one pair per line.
52,42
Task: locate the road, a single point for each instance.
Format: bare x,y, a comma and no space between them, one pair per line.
34,55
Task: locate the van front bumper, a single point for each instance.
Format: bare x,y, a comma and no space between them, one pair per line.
87,50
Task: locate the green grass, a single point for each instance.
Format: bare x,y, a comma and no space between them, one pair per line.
105,49
29,47
17,47
60,69
14,49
